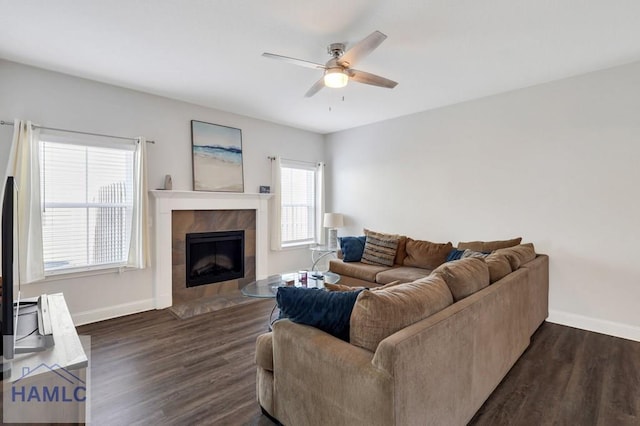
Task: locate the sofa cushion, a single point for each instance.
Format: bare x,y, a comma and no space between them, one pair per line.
380,249
404,274
329,311
357,270
519,255
386,286
380,313
464,277
264,351
352,248
499,266
425,254
341,287
488,246
401,253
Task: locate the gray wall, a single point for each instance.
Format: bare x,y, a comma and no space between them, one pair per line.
556,164
58,100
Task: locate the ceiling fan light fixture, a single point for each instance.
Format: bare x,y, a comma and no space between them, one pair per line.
335,78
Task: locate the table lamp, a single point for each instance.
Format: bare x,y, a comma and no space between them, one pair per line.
332,221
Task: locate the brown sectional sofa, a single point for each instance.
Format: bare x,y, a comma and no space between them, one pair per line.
362,274
438,370
414,260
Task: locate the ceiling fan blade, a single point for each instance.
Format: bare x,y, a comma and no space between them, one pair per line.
361,49
372,79
315,88
294,61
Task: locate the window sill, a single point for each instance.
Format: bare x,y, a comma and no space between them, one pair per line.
297,246
83,272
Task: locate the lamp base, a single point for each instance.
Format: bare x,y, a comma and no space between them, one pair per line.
332,238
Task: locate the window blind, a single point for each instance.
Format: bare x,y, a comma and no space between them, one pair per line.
298,204
87,202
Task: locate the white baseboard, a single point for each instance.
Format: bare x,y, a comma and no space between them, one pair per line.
593,324
102,314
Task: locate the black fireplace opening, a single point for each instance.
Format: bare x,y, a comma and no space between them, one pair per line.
213,257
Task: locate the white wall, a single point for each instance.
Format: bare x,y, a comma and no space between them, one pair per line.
57,100
557,164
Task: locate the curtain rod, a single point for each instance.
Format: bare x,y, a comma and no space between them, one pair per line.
8,123
297,161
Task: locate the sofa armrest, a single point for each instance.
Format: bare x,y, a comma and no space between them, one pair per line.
264,351
538,291
320,377
445,366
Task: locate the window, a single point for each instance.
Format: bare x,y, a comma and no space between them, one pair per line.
87,200
300,202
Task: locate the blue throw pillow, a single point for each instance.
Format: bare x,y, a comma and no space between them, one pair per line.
352,248
330,311
454,254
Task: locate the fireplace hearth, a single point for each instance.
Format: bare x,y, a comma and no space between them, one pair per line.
213,257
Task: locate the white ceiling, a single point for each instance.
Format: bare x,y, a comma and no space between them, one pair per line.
209,52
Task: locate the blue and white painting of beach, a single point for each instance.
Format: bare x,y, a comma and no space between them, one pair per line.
217,157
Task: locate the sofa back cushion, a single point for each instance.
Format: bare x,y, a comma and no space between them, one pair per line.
401,253
464,277
425,254
488,246
342,287
379,313
499,266
518,255
380,249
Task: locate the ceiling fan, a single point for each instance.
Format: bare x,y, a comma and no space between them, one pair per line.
338,71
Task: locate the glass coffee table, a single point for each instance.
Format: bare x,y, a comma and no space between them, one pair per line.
268,287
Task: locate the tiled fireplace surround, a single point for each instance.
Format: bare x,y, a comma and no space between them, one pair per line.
185,222
179,212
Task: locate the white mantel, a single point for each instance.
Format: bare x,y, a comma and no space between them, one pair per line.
164,202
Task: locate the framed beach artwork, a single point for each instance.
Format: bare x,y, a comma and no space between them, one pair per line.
217,157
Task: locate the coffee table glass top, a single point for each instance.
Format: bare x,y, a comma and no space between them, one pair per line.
268,287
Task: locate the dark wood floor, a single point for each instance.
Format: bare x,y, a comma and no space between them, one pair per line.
569,377
152,368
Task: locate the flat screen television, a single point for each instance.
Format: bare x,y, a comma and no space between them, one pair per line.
24,323
9,263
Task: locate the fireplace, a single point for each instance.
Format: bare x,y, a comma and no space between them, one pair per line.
177,213
213,257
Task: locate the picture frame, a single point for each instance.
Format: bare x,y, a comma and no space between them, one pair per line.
216,153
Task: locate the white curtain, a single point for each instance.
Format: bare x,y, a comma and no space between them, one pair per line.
24,166
139,246
276,203
319,203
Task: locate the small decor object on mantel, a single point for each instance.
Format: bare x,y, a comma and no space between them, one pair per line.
217,157
265,189
168,183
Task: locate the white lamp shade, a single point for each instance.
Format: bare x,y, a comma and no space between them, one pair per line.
333,220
